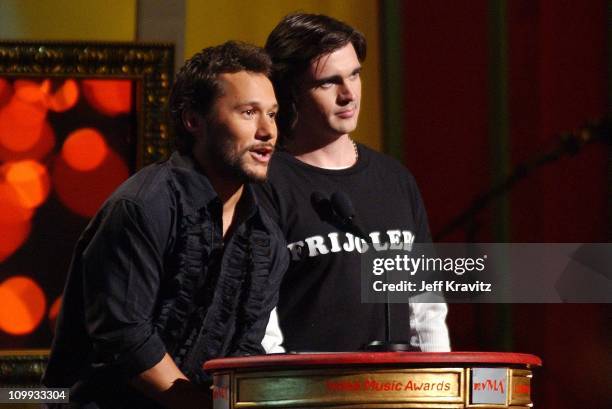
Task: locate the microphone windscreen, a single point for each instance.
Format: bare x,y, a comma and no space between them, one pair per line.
343,206
316,198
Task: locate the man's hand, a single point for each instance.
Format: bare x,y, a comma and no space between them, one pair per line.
166,384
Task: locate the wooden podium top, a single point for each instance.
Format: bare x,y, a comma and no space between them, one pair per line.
370,358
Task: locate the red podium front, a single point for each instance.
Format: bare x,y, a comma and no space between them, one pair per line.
374,380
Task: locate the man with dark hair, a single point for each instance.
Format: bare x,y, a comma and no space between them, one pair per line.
180,264
321,173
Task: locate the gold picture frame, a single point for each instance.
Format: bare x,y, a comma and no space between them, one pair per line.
149,65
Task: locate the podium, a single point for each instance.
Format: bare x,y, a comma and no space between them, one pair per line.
374,380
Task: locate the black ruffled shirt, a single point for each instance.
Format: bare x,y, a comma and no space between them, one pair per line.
152,274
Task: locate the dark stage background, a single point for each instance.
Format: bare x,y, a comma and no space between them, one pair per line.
489,85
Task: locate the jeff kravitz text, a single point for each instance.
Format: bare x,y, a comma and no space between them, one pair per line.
436,286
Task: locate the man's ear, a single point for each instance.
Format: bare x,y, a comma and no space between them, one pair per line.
192,121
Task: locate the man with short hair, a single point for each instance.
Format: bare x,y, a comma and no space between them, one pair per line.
181,264
321,173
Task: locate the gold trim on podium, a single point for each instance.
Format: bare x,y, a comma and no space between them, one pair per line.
379,380
365,388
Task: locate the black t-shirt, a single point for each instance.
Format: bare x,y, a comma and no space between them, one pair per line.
320,306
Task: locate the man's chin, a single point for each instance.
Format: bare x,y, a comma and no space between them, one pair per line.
345,128
257,179
255,176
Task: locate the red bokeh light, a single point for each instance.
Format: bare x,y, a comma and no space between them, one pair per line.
110,97
84,192
38,151
12,238
22,305
14,221
29,91
22,125
84,172
84,149
11,208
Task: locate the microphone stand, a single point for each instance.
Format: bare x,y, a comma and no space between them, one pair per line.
387,345
346,215
571,144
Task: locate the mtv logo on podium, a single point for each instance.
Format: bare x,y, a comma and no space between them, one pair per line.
489,385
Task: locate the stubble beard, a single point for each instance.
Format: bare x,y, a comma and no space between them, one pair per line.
235,164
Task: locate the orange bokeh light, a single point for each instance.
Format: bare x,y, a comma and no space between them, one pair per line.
54,311
84,149
30,181
55,308
21,125
110,97
64,98
22,305
38,151
42,147
84,192
29,91
12,237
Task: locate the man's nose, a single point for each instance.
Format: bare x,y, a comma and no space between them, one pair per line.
346,93
266,129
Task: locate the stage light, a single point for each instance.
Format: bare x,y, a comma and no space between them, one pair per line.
110,97
22,305
84,149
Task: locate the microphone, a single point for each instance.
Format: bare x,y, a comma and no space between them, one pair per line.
345,212
343,209
317,198
322,206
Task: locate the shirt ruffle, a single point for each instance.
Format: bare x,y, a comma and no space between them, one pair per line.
214,316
